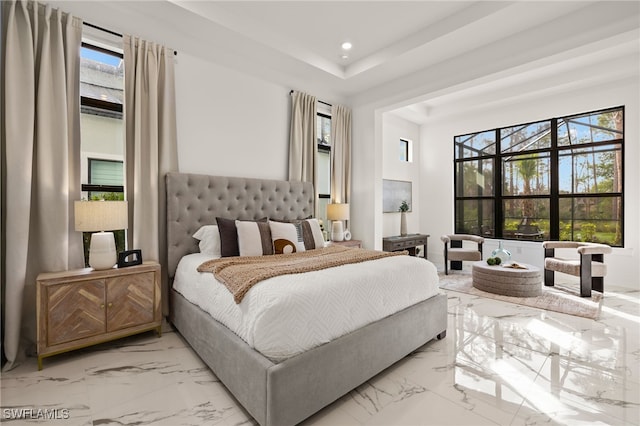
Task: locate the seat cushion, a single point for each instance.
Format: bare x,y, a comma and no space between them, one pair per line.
572,266
464,254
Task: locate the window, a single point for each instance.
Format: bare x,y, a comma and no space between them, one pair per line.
102,128
558,179
323,184
405,150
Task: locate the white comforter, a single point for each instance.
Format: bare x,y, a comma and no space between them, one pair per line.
287,315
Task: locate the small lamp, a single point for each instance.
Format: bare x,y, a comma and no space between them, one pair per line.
336,213
94,216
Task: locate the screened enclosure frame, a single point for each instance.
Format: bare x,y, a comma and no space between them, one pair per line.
553,179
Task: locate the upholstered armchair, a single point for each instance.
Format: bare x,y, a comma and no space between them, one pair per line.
589,265
456,253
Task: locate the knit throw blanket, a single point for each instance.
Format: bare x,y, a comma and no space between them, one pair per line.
239,274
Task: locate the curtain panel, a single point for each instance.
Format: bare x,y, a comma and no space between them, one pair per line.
151,146
40,140
303,138
340,154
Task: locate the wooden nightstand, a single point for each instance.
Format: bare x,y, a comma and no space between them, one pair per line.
80,308
406,242
350,243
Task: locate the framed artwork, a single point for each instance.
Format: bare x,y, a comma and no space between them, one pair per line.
394,192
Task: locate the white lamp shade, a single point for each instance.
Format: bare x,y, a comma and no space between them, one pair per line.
338,211
92,216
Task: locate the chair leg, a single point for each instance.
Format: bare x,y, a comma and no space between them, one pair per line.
549,278
597,284
446,260
585,275
456,264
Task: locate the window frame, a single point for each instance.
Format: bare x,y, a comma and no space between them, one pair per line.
104,108
107,109
406,149
554,195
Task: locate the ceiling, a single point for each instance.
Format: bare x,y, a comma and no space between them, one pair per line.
418,54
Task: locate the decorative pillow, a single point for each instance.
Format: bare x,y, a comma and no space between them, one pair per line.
286,238
254,238
311,234
209,237
228,237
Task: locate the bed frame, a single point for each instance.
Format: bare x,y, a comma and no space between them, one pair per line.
282,393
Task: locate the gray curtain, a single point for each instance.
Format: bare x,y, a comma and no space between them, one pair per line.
41,158
302,138
340,154
151,146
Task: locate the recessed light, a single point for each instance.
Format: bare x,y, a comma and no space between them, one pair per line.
344,56
346,45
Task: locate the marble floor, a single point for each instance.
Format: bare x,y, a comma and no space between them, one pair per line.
500,364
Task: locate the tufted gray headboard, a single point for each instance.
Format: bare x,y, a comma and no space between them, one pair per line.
195,200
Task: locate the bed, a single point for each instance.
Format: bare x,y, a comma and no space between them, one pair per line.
270,390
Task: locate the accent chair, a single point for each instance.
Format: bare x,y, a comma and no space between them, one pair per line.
589,265
456,253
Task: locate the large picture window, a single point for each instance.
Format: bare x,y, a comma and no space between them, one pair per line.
557,179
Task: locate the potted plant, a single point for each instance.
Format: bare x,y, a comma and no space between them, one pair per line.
404,208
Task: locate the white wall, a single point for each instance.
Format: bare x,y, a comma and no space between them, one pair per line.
437,166
229,123
393,129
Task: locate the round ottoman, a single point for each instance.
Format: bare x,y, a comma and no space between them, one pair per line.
507,281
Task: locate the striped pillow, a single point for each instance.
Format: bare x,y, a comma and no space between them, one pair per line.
254,238
311,233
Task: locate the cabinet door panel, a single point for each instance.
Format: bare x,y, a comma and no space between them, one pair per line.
75,311
130,300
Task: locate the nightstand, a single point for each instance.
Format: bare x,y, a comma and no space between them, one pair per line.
406,242
350,243
84,307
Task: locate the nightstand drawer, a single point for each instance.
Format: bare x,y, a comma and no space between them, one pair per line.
399,245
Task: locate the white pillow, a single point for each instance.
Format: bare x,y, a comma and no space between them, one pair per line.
285,238
209,237
254,238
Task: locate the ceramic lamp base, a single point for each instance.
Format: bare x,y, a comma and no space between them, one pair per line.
337,231
102,252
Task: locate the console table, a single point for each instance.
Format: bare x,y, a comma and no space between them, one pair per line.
407,242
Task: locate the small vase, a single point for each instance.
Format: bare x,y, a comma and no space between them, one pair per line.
502,253
403,223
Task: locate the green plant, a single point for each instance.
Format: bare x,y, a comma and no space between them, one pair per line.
404,207
588,231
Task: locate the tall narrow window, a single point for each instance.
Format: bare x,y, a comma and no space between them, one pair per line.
102,130
405,150
324,166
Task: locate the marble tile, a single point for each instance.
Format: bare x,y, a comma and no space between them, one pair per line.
500,364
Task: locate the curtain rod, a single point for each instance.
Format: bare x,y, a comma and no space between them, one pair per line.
322,102
175,52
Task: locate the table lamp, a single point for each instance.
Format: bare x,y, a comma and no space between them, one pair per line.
98,217
336,213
